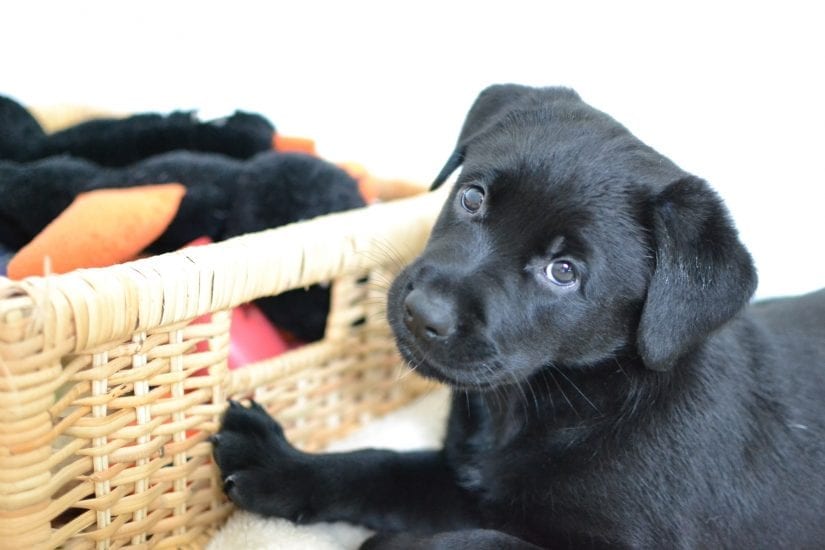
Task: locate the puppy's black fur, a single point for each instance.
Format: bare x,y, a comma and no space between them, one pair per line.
587,300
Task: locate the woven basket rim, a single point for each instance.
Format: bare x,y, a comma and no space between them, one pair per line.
105,304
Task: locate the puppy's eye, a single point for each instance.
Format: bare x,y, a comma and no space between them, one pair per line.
471,198
562,272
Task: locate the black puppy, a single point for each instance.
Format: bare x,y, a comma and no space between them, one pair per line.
586,300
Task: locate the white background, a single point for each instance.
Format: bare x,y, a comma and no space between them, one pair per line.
732,92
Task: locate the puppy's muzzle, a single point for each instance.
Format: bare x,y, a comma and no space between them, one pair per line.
429,316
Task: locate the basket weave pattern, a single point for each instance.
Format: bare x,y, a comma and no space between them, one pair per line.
112,379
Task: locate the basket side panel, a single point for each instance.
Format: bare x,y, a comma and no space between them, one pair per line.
108,448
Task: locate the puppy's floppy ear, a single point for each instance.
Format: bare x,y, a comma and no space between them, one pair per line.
455,160
703,274
491,104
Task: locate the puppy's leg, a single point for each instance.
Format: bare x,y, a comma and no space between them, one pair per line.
469,539
383,490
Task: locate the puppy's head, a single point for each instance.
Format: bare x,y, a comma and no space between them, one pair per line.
565,241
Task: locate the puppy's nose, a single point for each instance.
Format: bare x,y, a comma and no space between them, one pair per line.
429,316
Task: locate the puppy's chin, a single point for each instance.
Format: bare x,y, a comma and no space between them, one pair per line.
475,376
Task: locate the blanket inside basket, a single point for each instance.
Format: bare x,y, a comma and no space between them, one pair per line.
417,426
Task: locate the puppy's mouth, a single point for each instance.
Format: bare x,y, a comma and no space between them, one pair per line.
478,375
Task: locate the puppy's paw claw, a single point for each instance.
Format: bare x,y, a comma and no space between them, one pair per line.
228,483
257,407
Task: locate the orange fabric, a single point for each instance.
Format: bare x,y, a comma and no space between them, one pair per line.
101,228
375,189
367,185
293,144
355,170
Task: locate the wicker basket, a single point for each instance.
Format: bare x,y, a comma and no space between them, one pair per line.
108,390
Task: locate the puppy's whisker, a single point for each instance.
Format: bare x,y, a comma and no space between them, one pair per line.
562,391
379,280
525,405
379,301
589,402
375,313
498,391
548,392
399,257
375,309
503,396
533,393
405,372
621,369
389,250
377,288
380,255
384,253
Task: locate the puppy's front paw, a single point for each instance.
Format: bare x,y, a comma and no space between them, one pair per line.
261,471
